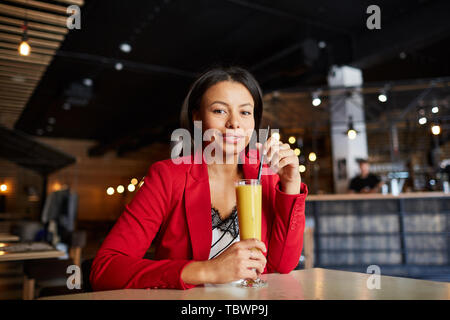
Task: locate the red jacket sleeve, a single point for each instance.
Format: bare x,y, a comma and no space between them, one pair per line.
286,237
119,263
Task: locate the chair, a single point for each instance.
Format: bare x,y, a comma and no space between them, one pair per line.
36,271
58,216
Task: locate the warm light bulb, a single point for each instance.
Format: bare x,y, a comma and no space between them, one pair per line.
312,157
301,168
351,134
110,191
134,181
436,130
131,187
3,188
57,186
297,151
382,97
292,140
120,189
24,48
435,109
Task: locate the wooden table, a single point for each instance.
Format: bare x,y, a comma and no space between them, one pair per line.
19,256
309,284
6,237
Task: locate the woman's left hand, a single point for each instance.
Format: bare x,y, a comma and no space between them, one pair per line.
283,161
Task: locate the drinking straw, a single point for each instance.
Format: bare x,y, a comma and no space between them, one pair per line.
261,155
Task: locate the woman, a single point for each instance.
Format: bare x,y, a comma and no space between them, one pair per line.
187,210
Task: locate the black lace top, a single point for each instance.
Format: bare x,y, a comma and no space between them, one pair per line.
225,232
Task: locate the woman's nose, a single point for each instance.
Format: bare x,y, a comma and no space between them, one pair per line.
233,122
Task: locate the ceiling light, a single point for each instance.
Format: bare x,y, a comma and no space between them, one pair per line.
87,82
120,189
125,47
131,187
436,129
292,140
3,188
315,99
316,102
312,157
24,47
422,120
297,151
382,97
435,109
118,66
351,132
301,168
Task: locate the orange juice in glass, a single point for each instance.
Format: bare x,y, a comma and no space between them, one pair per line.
249,201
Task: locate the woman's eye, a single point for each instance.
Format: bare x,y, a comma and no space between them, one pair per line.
218,111
246,113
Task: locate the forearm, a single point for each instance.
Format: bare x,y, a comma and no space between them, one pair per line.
287,231
291,187
197,272
112,271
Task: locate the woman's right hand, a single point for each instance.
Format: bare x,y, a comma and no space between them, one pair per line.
239,261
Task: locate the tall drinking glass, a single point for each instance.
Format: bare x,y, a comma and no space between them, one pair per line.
249,200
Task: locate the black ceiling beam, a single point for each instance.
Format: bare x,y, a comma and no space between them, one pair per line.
105,146
414,30
127,64
23,150
134,139
281,13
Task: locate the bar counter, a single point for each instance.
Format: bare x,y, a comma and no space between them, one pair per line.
406,235
378,196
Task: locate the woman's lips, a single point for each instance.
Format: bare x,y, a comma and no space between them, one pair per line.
232,139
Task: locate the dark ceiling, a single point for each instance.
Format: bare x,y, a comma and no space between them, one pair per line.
172,41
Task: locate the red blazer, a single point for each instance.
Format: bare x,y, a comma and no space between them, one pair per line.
172,209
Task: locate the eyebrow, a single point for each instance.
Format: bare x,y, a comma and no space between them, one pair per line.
226,104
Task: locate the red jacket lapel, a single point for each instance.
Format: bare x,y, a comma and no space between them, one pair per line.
197,201
197,198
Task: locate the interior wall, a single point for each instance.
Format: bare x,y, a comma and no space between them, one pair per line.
89,177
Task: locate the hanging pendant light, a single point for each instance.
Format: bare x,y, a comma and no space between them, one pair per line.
24,47
351,132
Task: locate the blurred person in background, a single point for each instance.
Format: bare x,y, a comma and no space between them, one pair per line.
365,182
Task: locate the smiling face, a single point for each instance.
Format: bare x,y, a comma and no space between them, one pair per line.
227,108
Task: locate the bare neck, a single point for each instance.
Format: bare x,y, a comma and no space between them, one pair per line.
224,171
